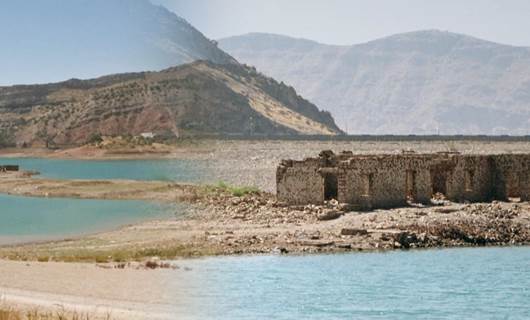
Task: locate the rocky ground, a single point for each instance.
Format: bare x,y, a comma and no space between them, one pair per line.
219,223
333,227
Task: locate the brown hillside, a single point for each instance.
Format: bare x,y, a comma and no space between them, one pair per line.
194,99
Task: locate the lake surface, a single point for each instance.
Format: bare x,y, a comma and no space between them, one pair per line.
488,283
29,219
163,170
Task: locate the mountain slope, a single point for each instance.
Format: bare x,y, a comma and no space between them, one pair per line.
46,41
424,82
193,99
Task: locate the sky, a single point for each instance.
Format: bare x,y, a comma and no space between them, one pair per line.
347,22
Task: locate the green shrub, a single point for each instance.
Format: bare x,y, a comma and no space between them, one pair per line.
236,191
95,138
6,139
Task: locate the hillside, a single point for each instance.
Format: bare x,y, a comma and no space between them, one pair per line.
424,82
194,99
49,41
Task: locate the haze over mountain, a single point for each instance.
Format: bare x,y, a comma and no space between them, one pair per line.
192,99
53,40
424,82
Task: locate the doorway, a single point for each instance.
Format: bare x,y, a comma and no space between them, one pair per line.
331,187
410,186
439,183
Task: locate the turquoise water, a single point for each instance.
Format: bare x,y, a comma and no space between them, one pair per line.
438,284
30,219
164,170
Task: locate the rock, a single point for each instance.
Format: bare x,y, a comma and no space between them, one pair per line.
318,244
347,207
315,236
406,239
445,210
280,250
329,214
353,232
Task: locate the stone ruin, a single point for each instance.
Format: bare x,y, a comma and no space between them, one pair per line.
387,181
7,168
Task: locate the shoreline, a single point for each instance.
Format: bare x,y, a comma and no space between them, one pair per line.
217,222
221,224
205,148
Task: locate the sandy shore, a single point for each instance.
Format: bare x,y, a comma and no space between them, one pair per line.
21,184
87,289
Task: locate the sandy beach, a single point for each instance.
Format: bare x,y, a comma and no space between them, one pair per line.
83,288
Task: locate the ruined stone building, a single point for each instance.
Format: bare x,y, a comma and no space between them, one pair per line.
6,168
385,181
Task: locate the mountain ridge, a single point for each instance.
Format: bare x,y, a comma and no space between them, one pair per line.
201,98
427,32
91,38
426,82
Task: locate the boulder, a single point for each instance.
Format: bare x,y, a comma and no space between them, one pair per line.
353,232
329,214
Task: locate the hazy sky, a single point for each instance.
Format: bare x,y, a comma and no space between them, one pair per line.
355,21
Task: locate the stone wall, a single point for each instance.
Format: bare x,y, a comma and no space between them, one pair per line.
300,182
4,168
512,176
384,181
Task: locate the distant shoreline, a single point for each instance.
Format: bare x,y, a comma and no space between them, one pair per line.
499,138
198,146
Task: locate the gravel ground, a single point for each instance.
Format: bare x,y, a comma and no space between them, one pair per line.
253,163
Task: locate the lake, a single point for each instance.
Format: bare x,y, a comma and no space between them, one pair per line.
478,283
25,219
163,170
30,219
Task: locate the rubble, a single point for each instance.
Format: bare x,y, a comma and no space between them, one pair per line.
353,232
297,228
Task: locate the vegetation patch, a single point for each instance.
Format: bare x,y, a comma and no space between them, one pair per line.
6,139
118,255
222,187
9,313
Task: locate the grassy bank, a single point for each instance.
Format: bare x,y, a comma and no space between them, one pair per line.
51,253
8,313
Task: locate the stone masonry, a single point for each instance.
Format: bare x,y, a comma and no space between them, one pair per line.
386,181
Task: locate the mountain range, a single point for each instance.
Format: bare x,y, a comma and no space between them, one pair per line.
201,90
425,82
201,98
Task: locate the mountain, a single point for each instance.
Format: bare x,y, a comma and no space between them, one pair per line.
424,82
193,99
53,40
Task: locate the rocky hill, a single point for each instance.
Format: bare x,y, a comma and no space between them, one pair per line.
48,41
424,82
194,99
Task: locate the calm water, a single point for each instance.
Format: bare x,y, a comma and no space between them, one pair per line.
28,219
164,170
438,284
